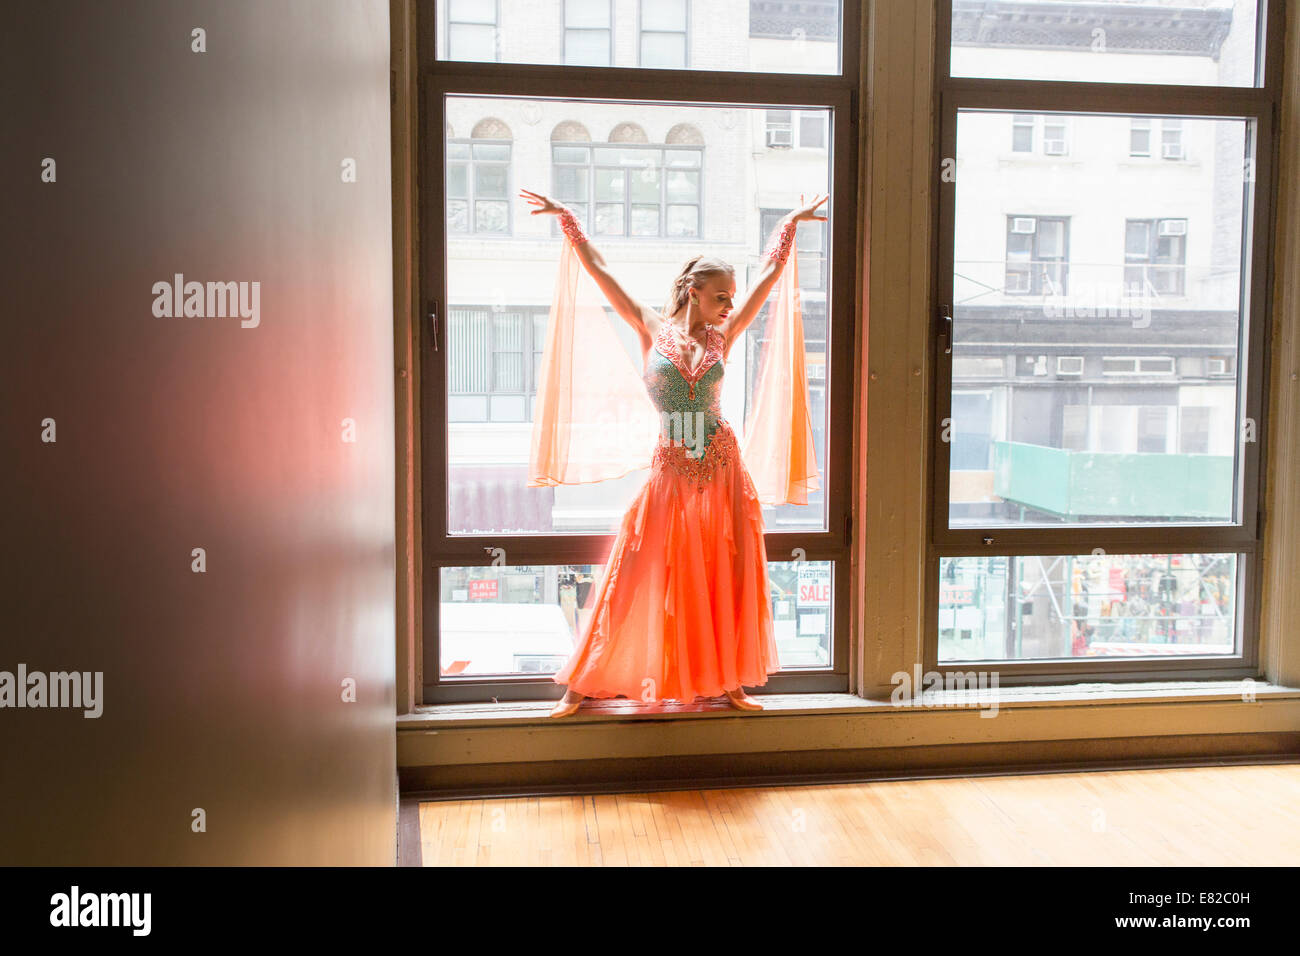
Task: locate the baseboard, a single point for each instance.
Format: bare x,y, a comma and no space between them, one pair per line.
716,771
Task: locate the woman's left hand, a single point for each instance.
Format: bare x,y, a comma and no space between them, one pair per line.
809,210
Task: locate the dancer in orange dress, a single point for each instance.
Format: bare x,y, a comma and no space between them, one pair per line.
683,608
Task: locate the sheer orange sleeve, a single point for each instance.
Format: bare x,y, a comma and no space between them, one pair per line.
778,442
593,419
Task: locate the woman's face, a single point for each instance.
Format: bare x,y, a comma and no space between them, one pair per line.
715,298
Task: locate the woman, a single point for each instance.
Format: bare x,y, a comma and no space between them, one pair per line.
683,607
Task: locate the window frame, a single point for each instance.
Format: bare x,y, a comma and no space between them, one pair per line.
1260,106
618,84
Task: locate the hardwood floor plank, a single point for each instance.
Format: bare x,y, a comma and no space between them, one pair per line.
1189,816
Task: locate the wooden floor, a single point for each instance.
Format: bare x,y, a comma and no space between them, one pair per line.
1216,816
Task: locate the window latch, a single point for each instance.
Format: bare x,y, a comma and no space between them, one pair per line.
945,329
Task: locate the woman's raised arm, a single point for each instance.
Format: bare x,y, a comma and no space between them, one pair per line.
632,311
774,263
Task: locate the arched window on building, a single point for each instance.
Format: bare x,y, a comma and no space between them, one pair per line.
630,186
478,180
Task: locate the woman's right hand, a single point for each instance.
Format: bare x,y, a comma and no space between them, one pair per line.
544,204
809,210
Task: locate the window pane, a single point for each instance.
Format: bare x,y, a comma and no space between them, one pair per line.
491,217
1140,139
683,186
1064,257
757,36
586,13
457,180
645,220
633,225
508,371
571,183
473,11
809,236
470,345
812,130
663,51
586,47
457,215
684,221
609,184
609,219
663,14
1108,41
497,151
526,619
1046,607
571,154
490,181
645,185
466,41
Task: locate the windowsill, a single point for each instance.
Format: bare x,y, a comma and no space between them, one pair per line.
511,713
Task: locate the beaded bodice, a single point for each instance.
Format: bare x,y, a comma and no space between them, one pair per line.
689,400
694,438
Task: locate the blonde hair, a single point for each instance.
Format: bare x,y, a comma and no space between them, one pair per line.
694,275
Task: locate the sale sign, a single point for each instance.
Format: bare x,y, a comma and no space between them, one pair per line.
814,587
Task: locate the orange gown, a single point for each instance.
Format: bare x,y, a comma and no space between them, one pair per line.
683,608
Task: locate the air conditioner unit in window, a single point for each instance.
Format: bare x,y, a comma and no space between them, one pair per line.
1024,225
1054,147
1069,365
1159,365
1173,227
780,138
1216,366
1172,151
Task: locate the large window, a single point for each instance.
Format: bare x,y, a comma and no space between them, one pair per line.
1099,384
658,173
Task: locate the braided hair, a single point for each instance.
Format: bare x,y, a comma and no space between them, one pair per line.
694,274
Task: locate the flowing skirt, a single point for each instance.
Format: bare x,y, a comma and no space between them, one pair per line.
683,607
